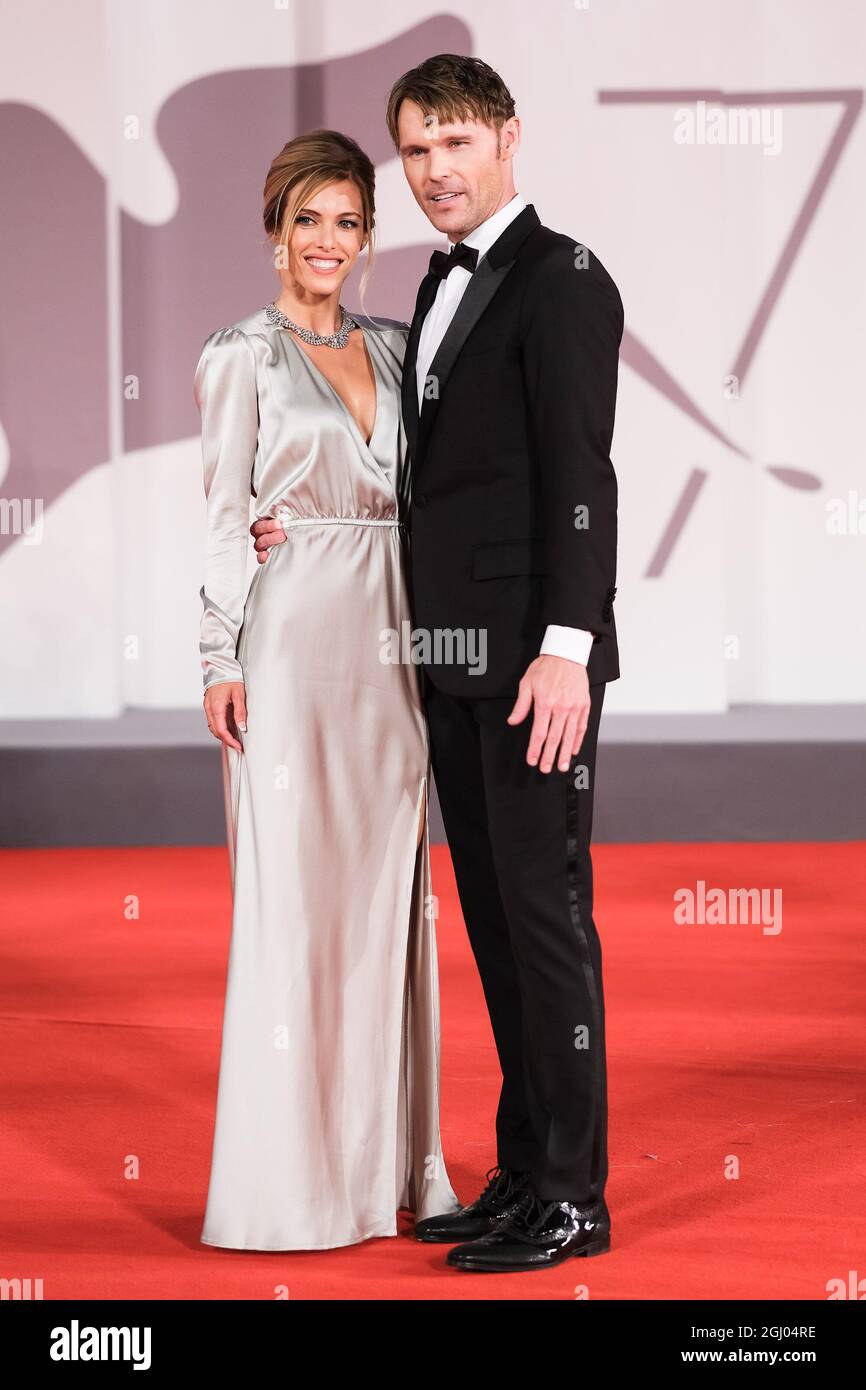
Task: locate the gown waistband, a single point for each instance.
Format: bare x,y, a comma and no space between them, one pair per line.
284,520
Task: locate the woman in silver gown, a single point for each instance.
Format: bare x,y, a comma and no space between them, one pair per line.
327,1117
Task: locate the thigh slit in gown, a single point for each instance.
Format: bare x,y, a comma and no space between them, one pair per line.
327,1115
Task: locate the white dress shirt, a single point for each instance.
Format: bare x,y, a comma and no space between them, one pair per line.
571,642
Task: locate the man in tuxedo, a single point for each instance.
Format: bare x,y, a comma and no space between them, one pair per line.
509,390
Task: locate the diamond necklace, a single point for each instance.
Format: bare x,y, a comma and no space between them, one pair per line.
335,340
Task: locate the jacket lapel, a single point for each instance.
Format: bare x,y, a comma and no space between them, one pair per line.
408,386
477,295
488,277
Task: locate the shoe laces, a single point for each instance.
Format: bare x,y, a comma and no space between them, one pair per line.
534,1212
500,1182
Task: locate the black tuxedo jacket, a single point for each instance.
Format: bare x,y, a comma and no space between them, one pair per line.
513,496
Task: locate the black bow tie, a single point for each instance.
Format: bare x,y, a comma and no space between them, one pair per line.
461,254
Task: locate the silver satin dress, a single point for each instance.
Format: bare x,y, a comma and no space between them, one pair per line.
327,1117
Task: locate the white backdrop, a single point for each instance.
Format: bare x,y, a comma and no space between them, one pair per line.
757,600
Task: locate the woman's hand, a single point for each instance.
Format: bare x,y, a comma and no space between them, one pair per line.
225,706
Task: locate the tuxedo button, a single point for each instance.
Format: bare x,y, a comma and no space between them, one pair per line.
421,500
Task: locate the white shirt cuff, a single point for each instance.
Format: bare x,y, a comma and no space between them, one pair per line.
571,642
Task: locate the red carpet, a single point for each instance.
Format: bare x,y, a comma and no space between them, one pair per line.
722,1041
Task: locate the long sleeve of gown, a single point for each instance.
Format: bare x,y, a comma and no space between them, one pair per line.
225,393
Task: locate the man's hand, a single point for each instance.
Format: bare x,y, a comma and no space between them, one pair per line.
267,532
559,689
225,707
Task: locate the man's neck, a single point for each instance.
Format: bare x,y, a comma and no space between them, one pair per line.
504,201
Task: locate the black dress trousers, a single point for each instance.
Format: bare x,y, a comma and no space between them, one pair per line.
520,844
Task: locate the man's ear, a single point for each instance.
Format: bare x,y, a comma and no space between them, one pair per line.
513,129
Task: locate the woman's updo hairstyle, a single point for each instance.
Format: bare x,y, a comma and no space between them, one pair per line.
308,163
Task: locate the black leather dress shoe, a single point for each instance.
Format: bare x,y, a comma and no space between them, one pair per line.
538,1235
500,1198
